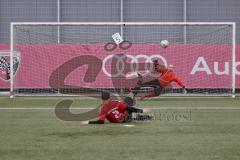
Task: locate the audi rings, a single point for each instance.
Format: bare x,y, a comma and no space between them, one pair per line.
134,64
124,45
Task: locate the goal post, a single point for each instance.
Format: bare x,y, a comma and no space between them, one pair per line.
234,59
205,59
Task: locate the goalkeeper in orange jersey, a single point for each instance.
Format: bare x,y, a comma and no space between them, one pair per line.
165,79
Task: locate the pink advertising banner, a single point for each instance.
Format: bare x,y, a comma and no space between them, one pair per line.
90,66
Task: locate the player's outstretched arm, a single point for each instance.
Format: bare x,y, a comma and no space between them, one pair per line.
179,82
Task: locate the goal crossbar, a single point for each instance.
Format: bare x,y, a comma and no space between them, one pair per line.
121,23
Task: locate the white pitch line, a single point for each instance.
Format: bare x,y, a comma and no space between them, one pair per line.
21,108
198,108
151,108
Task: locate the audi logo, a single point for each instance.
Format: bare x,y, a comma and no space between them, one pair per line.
120,65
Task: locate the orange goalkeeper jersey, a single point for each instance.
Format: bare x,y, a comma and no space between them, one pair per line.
167,76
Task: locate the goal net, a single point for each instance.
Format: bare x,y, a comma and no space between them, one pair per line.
87,58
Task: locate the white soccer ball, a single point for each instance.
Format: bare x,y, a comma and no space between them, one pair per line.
164,43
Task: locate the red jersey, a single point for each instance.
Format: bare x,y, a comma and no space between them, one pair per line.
114,111
167,76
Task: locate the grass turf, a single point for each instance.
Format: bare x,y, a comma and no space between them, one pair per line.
195,134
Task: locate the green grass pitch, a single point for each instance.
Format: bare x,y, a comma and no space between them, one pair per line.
184,129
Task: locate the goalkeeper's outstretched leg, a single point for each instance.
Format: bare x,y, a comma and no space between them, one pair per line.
156,89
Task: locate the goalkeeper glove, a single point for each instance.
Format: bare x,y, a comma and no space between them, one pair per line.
184,90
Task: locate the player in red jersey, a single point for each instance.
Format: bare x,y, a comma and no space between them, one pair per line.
166,78
115,111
